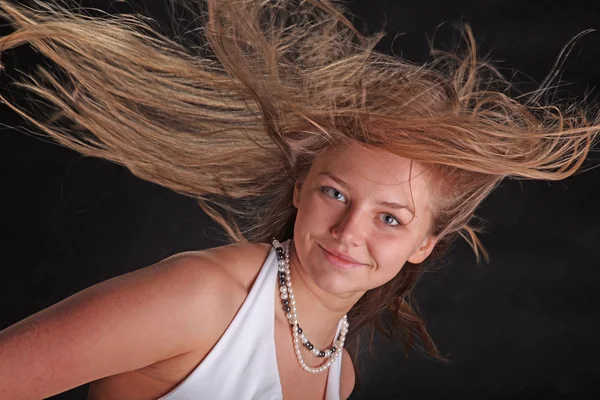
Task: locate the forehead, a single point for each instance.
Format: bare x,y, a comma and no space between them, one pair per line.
371,164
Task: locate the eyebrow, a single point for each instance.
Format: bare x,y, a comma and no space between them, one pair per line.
389,204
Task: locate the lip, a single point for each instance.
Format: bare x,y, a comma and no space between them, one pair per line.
339,259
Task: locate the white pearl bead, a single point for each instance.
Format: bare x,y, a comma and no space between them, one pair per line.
290,290
284,296
283,289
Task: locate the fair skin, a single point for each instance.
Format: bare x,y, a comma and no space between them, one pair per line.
345,205
113,334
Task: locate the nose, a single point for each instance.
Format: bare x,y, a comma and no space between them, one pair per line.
350,230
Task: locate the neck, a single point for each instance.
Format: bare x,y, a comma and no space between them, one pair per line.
319,313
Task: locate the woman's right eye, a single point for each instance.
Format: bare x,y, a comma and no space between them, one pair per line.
333,193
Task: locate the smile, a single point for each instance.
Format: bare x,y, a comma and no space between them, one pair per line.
339,262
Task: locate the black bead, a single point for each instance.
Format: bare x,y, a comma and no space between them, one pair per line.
286,302
299,329
321,354
310,345
286,308
279,250
282,282
333,349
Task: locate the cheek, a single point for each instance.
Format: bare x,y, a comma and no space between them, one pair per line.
390,256
314,211
389,261
385,273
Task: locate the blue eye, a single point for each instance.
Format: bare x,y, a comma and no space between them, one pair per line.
391,220
333,193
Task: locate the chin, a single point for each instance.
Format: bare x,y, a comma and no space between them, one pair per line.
335,285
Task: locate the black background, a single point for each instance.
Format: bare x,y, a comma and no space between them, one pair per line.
524,326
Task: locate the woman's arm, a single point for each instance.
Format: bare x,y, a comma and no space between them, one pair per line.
119,325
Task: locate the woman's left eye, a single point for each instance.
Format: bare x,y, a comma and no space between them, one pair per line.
390,220
333,193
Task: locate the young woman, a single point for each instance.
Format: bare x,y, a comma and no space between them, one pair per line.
337,172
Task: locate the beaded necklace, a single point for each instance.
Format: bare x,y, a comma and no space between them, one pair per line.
289,306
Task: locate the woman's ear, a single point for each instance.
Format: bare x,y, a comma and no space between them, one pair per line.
297,190
423,251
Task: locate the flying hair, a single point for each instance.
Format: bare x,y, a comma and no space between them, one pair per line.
233,111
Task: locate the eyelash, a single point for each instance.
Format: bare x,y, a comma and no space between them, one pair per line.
327,190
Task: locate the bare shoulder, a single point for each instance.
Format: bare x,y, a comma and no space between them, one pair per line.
347,378
220,279
240,262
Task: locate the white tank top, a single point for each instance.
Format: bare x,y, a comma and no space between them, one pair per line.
242,365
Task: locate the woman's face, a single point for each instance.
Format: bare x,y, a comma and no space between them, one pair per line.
356,202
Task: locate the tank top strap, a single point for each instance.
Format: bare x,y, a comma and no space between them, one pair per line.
335,373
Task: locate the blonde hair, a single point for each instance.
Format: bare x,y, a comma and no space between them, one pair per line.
235,120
